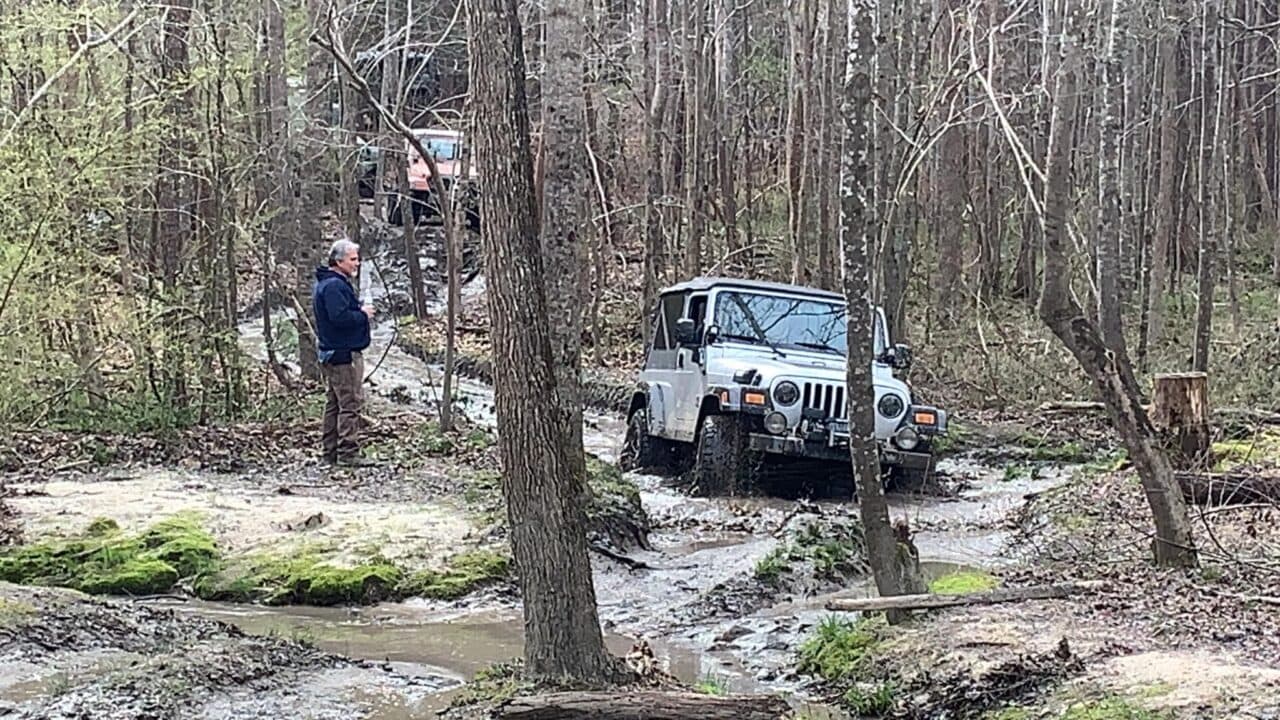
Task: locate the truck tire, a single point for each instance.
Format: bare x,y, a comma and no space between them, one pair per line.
640,450
722,463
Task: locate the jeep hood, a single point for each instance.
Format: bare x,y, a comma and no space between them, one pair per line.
828,368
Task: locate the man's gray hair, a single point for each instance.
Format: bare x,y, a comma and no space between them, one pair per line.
339,250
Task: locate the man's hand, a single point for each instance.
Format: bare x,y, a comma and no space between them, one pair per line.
367,310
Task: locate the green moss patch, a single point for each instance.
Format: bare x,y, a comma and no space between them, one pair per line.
963,582
104,560
303,578
466,573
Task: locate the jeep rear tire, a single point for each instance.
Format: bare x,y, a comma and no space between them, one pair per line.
640,450
722,462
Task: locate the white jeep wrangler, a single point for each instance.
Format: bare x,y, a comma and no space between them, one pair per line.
738,371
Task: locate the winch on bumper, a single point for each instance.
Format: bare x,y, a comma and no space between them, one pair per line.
826,438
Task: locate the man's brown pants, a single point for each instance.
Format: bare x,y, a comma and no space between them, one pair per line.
341,437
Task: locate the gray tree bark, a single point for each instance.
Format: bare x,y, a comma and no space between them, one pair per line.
856,230
564,191
542,489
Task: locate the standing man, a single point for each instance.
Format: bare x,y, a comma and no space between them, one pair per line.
342,332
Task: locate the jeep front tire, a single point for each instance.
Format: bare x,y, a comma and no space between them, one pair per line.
640,450
722,461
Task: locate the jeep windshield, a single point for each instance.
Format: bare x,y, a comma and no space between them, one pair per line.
783,322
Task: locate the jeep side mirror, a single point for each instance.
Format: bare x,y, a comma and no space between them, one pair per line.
686,332
710,334
897,357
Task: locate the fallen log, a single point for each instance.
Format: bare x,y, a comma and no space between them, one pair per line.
1228,415
1231,488
647,705
929,601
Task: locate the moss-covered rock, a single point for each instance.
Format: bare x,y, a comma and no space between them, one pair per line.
104,560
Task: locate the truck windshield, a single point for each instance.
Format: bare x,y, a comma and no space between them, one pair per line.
442,148
785,322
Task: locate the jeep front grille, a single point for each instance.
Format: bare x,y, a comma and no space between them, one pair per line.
826,397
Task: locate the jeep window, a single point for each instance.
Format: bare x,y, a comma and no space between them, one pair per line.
776,321
672,309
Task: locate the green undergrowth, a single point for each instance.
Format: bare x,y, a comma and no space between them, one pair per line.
833,552
847,656
1261,448
841,649
493,684
105,560
963,582
179,555
1111,708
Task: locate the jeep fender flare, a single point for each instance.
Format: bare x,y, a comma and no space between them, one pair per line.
710,406
650,395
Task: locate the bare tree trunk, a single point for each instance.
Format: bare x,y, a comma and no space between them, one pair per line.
857,229
795,139
543,491
1210,102
1110,130
655,94
564,193
1165,231
1110,372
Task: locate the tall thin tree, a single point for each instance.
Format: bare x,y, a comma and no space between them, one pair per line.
542,489
857,227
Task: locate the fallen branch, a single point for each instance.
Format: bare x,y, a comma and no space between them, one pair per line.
628,561
630,705
930,601
1228,488
1220,415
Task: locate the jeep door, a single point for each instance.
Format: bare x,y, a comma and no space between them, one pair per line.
689,382
660,367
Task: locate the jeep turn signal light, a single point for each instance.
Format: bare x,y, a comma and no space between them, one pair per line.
753,398
724,396
925,417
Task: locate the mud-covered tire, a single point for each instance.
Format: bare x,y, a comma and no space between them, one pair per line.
722,462
640,450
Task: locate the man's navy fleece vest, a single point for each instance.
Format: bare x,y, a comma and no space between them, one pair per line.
341,326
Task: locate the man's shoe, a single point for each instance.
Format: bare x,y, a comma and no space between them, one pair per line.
355,461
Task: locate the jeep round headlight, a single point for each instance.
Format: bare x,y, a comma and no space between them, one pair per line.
907,439
775,423
786,393
891,406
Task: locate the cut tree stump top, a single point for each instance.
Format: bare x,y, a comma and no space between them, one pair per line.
1181,376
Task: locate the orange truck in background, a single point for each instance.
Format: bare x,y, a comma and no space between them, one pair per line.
446,146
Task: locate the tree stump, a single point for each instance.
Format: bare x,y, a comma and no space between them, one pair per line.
1180,412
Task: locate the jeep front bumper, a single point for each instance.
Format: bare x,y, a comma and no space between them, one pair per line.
795,446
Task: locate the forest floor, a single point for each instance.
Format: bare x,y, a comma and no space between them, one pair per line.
228,573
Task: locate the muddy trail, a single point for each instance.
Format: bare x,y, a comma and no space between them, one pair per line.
696,599
723,594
